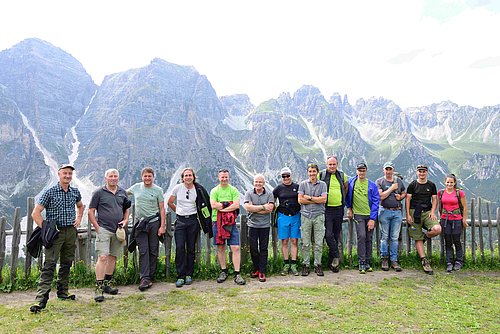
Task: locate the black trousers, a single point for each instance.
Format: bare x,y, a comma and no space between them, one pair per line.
185,234
148,243
258,239
334,216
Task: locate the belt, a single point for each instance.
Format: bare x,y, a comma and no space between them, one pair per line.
188,216
393,209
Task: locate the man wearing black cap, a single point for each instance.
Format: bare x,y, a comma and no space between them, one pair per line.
362,203
59,204
392,191
421,203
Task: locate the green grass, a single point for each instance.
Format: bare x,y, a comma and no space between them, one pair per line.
84,276
441,304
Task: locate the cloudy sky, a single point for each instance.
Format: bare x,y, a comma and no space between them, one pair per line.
414,52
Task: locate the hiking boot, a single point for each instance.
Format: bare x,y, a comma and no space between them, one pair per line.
262,277
239,280
180,282
107,288
188,280
368,268
305,270
293,270
395,265
427,266
318,270
385,264
334,266
449,267
145,284
222,277
458,265
254,274
98,293
286,270
38,307
362,268
65,296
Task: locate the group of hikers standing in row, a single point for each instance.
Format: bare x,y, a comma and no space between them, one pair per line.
311,211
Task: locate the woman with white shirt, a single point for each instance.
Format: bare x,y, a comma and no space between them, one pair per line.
187,226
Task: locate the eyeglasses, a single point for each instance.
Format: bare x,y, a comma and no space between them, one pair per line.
285,176
223,170
187,194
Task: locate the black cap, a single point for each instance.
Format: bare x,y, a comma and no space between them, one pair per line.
361,165
66,166
422,167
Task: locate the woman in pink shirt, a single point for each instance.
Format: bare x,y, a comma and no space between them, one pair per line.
453,209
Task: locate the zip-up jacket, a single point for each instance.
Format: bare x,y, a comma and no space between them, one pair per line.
204,209
373,196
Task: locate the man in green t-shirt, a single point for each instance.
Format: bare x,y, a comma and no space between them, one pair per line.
225,202
149,201
336,183
362,203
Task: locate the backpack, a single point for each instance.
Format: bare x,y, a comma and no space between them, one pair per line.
457,193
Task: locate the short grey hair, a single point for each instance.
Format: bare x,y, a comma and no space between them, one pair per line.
259,176
111,171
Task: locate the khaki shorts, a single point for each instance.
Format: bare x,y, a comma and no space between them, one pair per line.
415,230
106,243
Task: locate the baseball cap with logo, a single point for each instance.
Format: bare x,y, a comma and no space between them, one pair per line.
285,171
422,167
389,165
63,166
361,165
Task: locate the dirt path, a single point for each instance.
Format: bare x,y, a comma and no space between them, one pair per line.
343,278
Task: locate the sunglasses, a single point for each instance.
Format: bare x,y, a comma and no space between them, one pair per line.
312,165
285,176
187,194
223,170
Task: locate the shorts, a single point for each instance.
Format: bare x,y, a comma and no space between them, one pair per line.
288,226
106,243
234,239
415,230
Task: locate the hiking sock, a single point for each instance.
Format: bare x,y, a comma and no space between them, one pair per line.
286,261
293,261
108,277
225,270
236,273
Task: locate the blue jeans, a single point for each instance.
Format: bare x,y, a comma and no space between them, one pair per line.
390,226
